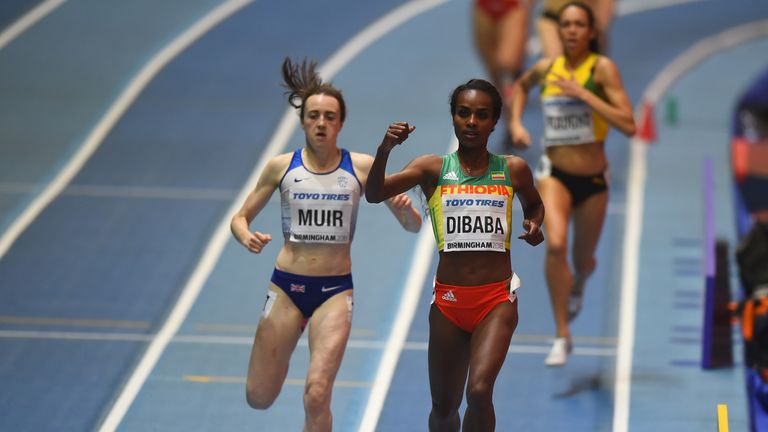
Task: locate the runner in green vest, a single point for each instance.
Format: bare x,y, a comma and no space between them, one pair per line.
474,307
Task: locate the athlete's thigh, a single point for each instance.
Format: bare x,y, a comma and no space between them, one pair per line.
603,10
557,210
448,358
513,34
486,34
588,221
490,342
551,46
276,337
329,330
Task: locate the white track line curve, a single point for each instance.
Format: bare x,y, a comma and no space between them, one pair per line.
28,20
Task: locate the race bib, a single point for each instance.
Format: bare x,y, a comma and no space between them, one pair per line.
474,222
567,121
320,217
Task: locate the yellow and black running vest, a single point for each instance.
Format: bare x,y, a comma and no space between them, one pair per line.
568,120
472,213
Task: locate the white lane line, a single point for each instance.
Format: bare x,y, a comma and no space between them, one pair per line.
221,235
632,7
175,193
633,226
73,322
635,201
68,335
415,280
515,348
109,191
111,117
148,72
213,379
28,20
519,348
701,51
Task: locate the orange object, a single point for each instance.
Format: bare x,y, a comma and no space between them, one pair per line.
748,320
466,306
647,130
739,158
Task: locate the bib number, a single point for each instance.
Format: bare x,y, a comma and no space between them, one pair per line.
567,121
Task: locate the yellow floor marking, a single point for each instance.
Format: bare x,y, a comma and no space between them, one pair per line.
722,418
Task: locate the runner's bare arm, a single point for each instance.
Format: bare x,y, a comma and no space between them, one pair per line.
522,86
380,186
401,205
268,181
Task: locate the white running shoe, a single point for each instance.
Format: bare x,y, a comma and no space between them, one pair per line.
558,355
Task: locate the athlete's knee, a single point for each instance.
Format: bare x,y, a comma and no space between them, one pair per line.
438,422
508,64
443,410
257,398
479,393
557,250
317,396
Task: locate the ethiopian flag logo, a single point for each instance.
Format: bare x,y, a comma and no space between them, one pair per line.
497,175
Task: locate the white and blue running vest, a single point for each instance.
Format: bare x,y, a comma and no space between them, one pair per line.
319,207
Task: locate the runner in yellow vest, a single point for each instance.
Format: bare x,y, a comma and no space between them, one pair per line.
581,95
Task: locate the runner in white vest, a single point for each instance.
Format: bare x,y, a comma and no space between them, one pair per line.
320,186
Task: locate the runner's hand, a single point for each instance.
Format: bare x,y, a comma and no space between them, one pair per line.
400,201
533,234
256,241
397,132
520,136
569,86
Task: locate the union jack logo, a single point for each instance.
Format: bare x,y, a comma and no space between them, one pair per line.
298,288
